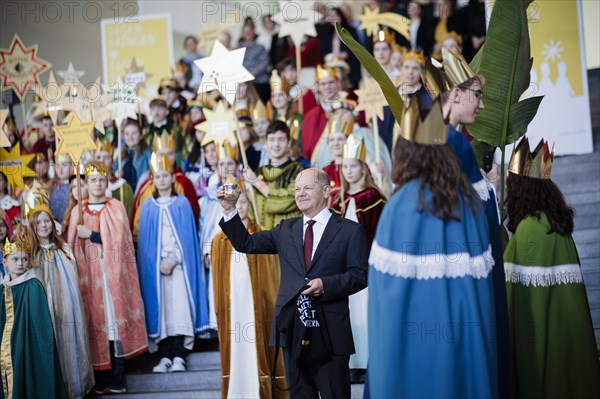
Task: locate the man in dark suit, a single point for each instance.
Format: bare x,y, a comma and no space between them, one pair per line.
325,254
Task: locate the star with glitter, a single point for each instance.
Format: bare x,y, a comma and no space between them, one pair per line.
75,138
552,51
297,19
14,166
20,67
223,70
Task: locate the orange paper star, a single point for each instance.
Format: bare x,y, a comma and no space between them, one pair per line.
75,138
19,67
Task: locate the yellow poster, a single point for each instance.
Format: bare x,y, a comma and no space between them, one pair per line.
148,39
560,75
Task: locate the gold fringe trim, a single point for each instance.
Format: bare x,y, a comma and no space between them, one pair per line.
367,208
5,352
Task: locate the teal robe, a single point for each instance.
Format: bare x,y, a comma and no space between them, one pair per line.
28,356
553,349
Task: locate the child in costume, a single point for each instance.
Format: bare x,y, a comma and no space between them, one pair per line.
29,361
172,282
56,268
245,292
135,155
5,232
108,281
118,188
553,348
275,190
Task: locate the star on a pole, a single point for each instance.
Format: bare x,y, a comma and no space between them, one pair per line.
90,105
223,70
70,75
14,166
371,98
52,99
125,103
3,139
372,19
75,138
219,125
20,67
297,19
135,74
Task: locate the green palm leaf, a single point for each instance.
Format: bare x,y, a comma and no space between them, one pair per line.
372,66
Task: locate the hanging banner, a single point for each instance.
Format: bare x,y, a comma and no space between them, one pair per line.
148,39
559,73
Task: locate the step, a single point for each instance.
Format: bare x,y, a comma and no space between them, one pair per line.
189,380
192,394
588,251
586,236
203,360
589,197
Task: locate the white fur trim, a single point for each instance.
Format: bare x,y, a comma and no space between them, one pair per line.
431,266
543,276
482,189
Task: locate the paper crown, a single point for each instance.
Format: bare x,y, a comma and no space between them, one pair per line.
413,55
243,117
160,163
355,149
434,78
536,164
104,145
64,158
336,63
278,84
294,128
179,67
396,47
450,35
227,150
194,104
260,111
16,246
326,72
384,35
95,168
36,199
424,126
456,68
163,141
167,83
340,124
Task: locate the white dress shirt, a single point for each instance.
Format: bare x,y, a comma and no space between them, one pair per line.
321,220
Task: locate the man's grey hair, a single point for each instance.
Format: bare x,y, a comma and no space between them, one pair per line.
319,176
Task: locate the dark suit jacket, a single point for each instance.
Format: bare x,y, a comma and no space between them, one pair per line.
340,261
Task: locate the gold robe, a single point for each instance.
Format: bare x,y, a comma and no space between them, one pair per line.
264,276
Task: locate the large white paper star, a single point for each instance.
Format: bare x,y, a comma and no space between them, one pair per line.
223,70
297,19
70,75
52,100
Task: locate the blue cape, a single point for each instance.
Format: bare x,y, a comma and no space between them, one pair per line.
148,262
431,303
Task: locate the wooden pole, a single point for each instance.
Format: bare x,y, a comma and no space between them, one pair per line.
245,162
299,78
377,151
79,203
120,160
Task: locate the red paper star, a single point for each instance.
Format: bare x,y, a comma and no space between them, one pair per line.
19,67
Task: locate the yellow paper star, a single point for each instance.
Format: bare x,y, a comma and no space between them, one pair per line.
75,138
3,139
372,19
14,166
208,36
135,74
371,98
219,125
223,71
297,19
20,67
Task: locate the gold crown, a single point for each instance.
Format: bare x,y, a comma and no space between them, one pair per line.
294,128
95,168
37,197
104,145
160,163
536,164
260,111
37,209
396,47
326,72
340,124
227,150
179,67
450,35
384,35
456,68
434,78
431,129
16,246
278,84
165,140
355,149
167,83
413,55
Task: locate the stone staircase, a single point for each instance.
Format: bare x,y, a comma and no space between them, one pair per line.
201,381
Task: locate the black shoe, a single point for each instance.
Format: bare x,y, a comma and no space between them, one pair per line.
357,376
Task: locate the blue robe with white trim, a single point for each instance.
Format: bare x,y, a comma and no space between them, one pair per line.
468,162
431,303
149,247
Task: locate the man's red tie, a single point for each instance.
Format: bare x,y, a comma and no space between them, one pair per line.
308,243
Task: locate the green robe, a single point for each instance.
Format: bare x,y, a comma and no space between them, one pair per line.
28,356
553,348
280,204
127,200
